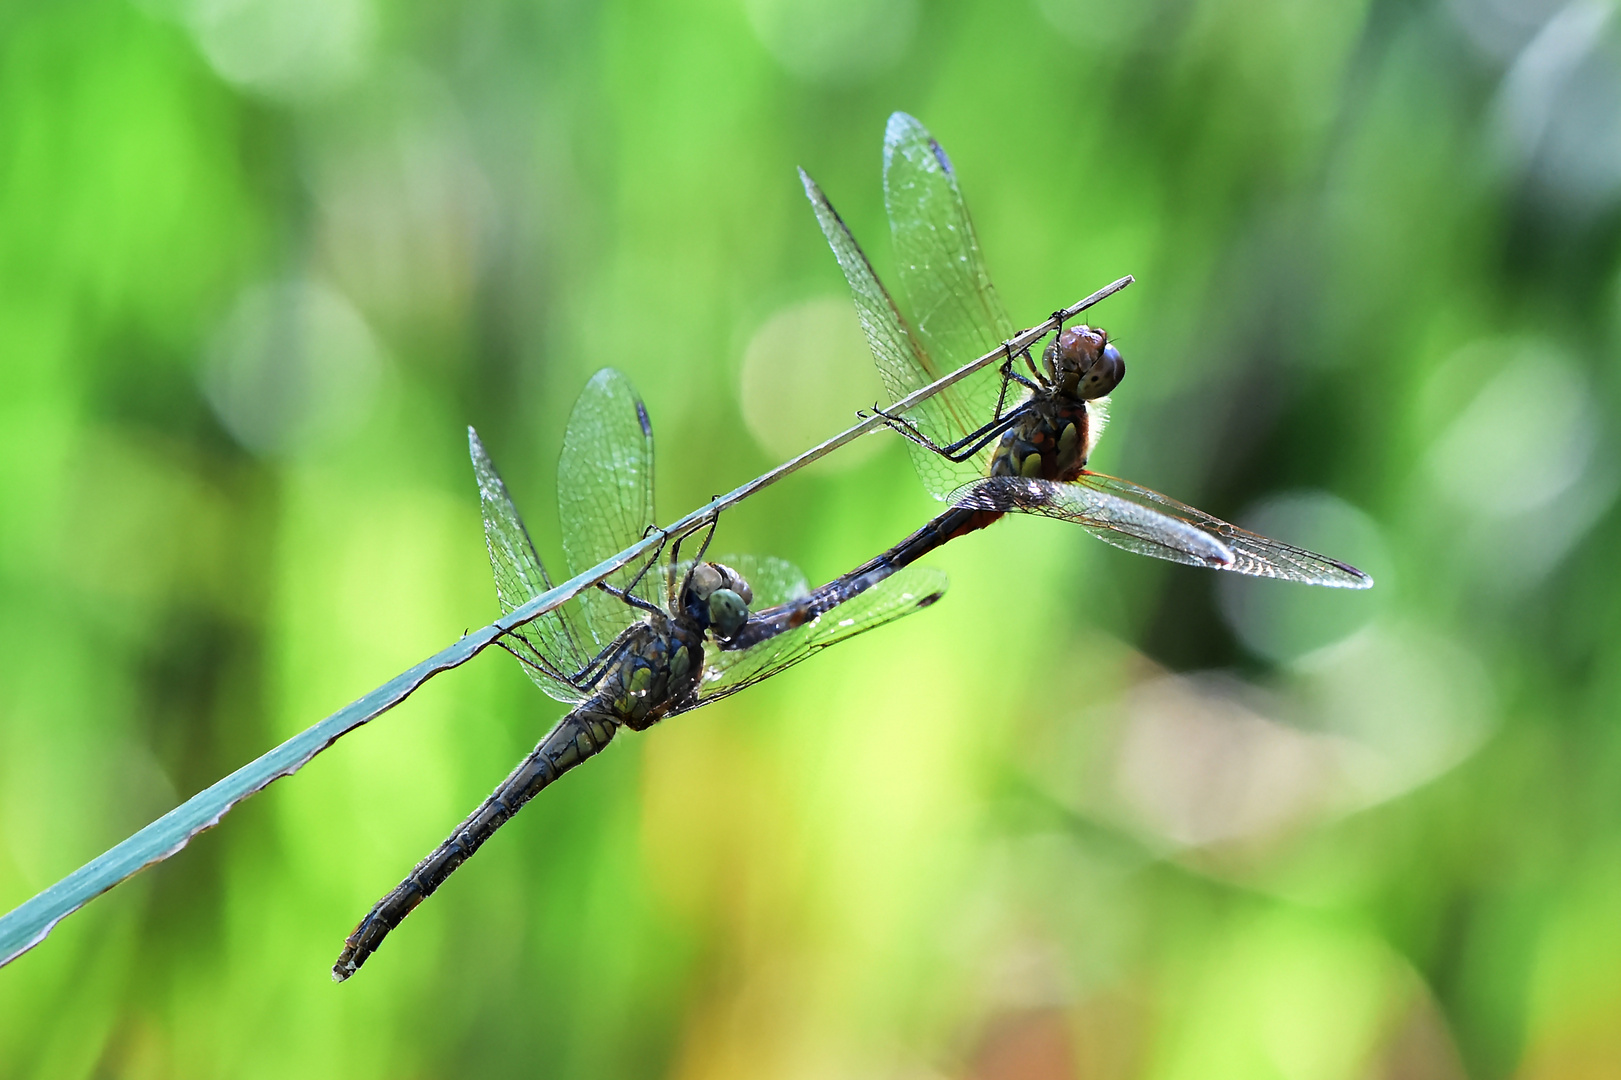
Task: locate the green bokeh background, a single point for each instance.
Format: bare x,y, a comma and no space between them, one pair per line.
261,263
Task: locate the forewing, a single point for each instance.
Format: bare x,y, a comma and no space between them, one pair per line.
774,581
908,591
549,645
605,494
1142,520
955,309
902,362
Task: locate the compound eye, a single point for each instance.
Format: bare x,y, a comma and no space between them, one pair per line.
727,612
736,582
1104,374
704,579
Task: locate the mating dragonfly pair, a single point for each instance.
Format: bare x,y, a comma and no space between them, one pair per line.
670,635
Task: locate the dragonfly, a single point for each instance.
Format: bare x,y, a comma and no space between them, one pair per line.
649,643
1030,458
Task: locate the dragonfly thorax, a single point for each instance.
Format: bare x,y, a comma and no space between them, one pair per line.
1081,363
657,670
1051,441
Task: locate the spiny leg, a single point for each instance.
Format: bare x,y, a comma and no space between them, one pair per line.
591,674
1010,375
1034,371
628,597
709,534
626,594
965,447
531,656
714,523
664,538
587,677
1007,376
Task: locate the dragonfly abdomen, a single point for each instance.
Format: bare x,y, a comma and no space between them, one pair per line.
1049,443
795,613
579,735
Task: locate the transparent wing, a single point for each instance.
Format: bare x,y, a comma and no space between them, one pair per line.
605,494
1253,554
955,309
1117,521
902,362
774,581
548,646
1144,521
908,591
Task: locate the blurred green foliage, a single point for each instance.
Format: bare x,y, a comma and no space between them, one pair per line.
260,264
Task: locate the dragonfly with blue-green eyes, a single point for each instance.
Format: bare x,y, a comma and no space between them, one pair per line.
969,447
651,642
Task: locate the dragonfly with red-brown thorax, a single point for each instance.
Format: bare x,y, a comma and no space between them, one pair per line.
969,447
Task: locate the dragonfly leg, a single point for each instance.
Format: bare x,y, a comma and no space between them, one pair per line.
652,560
589,676
579,735
629,597
965,447
1007,377
714,523
1011,375
1034,385
709,534
584,679
530,656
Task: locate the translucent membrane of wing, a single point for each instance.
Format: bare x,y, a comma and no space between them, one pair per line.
955,309
902,362
549,645
605,494
1142,520
1118,521
1253,554
908,591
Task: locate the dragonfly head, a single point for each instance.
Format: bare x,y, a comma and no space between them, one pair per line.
718,597
1082,363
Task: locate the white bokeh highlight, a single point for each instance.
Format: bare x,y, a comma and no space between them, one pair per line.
293,368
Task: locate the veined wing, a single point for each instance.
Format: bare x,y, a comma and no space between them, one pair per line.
955,309
903,364
1144,521
548,646
605,494
1253,554
908,591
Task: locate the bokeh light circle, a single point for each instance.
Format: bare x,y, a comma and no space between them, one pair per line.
293,367
1281,620
805,372
834,40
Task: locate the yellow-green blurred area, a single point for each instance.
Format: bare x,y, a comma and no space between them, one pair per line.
263,261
